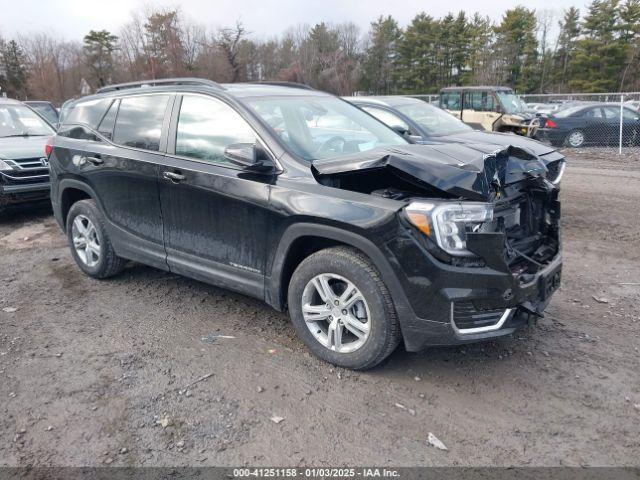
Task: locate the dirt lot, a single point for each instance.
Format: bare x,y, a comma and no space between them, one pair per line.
106,372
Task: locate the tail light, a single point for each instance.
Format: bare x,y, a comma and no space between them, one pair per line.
48,148
550,124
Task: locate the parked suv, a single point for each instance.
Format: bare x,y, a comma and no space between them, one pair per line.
24,168
494,109
301,199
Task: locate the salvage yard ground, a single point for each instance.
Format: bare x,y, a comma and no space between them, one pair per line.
154,369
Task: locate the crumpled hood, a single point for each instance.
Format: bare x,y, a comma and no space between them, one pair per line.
496,140
16,148
473,173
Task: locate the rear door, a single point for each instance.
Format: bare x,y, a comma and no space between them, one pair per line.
215,214
123,173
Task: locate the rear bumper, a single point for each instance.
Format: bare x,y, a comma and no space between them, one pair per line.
552,135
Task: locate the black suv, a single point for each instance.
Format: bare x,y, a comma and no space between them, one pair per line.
299,198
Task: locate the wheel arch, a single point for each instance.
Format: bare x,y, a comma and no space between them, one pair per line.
72,191
301,240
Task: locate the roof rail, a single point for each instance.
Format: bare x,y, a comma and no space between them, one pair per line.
159,82
286,84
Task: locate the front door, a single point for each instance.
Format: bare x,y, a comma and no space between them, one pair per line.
596,129
479,110
215,214
629,125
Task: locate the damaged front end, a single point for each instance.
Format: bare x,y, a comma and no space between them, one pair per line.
493,217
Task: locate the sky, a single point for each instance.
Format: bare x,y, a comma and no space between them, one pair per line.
72,19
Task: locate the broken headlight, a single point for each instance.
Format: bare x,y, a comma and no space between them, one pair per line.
448,223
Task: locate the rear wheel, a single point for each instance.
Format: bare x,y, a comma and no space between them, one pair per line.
575,139
90,245
342,310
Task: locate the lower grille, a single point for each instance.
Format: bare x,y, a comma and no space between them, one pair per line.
466,318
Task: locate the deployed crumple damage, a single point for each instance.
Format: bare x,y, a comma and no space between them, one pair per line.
524,234
476,173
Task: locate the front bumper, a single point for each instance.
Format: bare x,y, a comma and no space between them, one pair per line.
26,193
456,305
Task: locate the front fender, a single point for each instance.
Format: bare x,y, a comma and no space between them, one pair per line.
275,282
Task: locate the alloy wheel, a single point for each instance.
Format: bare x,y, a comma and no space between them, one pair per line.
576,139
336,313
85,240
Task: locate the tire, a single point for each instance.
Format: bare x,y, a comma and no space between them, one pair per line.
575,139
103,264
344,266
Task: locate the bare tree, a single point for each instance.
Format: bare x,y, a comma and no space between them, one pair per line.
229,41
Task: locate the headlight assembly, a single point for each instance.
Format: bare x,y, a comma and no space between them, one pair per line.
448,223
4,166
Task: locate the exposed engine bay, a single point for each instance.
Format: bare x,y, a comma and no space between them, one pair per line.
523,234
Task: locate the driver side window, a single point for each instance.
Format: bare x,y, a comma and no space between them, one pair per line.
206,126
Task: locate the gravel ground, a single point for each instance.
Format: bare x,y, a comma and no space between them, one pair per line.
130,372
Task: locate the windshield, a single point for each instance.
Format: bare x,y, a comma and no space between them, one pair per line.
323,127
18,120
433,120
47,111
511,102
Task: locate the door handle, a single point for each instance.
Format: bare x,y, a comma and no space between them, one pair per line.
94,160
173,177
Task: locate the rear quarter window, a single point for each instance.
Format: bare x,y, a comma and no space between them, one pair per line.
88,113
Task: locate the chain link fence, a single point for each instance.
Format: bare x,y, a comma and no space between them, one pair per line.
588,120
609,122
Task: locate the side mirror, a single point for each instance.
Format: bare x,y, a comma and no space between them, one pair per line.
250,157
400,129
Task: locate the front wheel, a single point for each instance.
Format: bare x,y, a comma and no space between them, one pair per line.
342,310
575,139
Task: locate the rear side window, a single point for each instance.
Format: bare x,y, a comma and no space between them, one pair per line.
88,113
139,121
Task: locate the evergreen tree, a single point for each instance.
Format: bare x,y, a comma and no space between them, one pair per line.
481,61
569,32
600,53
460,53
14,66
516,45
630,38
416,66
98,51
380,55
